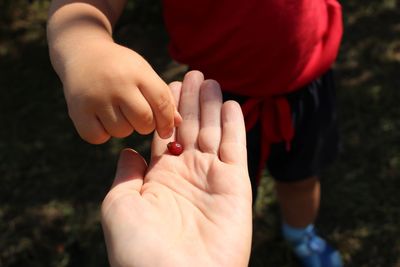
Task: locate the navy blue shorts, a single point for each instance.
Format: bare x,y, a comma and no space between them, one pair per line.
315,143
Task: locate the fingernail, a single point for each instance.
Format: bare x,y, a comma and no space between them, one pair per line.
167,134
177,118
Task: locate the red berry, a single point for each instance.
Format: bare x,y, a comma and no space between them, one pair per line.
175,148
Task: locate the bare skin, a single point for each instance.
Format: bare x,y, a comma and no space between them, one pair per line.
111,91
299,201
194,209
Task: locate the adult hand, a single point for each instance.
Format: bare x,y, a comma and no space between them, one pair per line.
188,210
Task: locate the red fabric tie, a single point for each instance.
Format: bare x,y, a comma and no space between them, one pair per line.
276,123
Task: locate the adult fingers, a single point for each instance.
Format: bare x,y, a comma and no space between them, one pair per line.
210,126
128,180
159,145
233,141
189,109
130,172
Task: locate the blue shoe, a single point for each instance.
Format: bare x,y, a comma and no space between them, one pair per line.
313,251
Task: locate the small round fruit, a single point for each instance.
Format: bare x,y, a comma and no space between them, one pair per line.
175,148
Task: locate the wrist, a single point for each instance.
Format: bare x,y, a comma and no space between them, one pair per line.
71,27
68,51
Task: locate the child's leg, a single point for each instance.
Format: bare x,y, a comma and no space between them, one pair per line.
296,171
299,201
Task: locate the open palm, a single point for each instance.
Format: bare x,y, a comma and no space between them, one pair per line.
188,210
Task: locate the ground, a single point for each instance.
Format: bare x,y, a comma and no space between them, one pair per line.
52,183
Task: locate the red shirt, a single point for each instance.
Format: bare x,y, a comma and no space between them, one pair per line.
260,49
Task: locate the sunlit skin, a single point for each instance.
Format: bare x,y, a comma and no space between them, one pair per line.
110,90
187,210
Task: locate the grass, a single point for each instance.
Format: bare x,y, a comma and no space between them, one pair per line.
52,182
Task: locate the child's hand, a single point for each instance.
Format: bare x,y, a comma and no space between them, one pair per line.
112,91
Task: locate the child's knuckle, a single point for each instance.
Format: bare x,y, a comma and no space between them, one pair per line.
163,104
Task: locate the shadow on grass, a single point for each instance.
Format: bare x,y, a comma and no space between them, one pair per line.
360,203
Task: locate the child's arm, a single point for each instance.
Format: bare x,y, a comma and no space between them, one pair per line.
110,90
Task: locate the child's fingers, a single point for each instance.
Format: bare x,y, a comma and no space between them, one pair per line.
177,118
210,128
90,128
161,101
159,146
114,121
233,142
189,108
138,112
